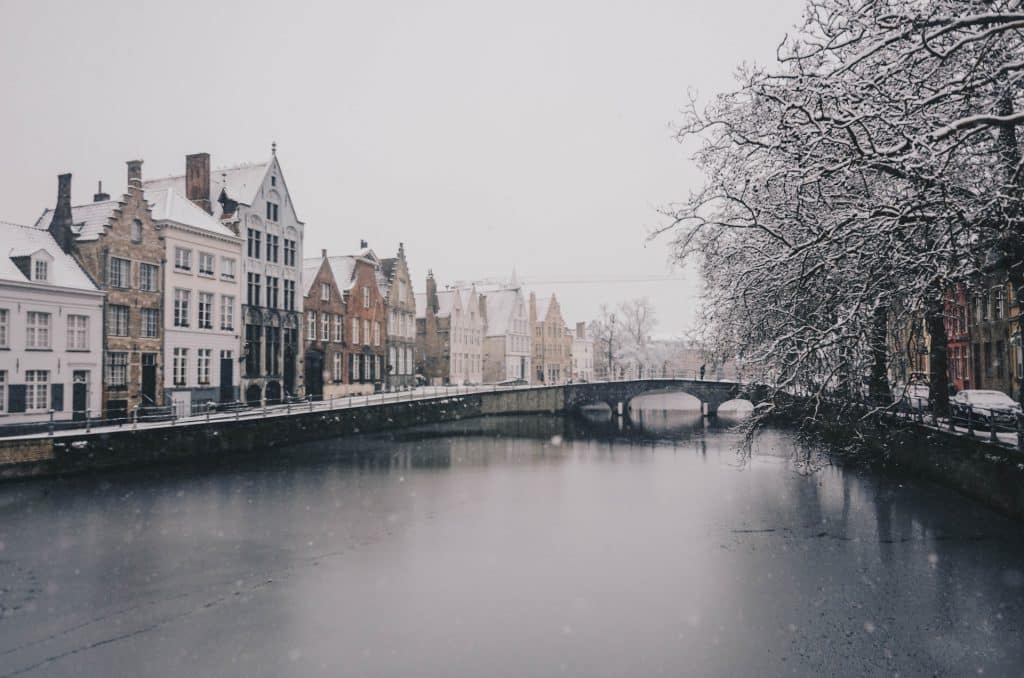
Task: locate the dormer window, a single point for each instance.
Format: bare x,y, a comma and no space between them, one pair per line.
41,270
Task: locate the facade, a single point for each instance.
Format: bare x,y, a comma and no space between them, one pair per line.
253,201
202,295
582,355
468,322
433,356
324,304
396,286
909,349
990,331
507,338
551,344
958,344
367,320
117,243
51,331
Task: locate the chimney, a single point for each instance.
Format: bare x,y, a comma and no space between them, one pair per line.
100,196
432,302
60,225
323,254
134,173
197,180
581,330
362,244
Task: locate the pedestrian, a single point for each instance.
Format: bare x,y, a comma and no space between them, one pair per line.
702,367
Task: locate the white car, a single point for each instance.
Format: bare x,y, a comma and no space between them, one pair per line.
985,405
914,396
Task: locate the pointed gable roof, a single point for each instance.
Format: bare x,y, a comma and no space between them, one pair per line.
88,220
24,241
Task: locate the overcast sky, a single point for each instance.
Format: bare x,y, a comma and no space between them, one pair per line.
484,135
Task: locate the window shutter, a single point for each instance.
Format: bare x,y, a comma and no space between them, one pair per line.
16,398
57,397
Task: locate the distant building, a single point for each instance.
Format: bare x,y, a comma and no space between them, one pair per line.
582,354
958,344
51,330
551,345
119,246
396,286
992,330
507,337
449,335
324,304
253,201
203,301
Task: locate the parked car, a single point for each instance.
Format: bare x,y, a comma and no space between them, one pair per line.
984,406
914,396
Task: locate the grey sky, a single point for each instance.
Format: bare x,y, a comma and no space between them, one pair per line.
483,135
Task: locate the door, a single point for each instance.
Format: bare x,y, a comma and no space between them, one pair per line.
79,394
227,380
314,374
148,379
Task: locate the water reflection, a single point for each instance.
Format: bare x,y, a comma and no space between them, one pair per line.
508,546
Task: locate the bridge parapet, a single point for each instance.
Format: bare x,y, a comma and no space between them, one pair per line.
712,393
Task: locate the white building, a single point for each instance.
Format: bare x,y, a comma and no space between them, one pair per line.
467,336
582,354
253,200
507,337
202,302
51,331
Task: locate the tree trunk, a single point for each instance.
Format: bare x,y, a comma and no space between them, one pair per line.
938,381
878,386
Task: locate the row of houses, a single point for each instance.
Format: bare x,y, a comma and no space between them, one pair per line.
983,333
193,289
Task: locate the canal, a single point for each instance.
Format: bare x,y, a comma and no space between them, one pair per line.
509,547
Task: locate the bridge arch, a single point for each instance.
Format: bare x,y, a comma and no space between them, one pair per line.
712,393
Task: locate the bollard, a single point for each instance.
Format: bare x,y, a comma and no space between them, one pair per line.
310,403
288,406
51,422
330,404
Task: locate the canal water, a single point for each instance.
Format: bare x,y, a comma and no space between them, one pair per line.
532,546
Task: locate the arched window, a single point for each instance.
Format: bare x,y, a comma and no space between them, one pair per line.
136,230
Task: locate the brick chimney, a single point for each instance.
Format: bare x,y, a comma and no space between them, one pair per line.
197,180
323,254
99,195
60,225
362,245
134,174
432,302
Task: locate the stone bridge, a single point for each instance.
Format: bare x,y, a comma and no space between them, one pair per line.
710,393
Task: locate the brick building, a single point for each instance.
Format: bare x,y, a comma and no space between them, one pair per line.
958,344
552,345
119,246
325,306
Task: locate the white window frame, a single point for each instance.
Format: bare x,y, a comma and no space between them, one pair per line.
78,332
37,330
203,357
203,258
355,331
152,277
121,279
325,291
366,297
5,327
182,301
339,328
325,327
208,324
112,369
311,325
227,312
182,259
37,386
180,366
149,322
227,268
40,270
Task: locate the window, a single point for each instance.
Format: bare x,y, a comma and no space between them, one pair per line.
3,390
180,366
376,333
997,304
182,259
271,211
272,289
4,325
289,295
205,264
150,319
203,363
392,360
182,298
136,230
311,325
273,180
325,292
408,361
273,349
252,350
339,328
41,270
148,277
336,373
254,289
353,370
37,384
289,252
325,326
272,249
78,333
205,310
355,331
120,272
227,312
227,268
366,297
366,332
38,330
116,369
254,243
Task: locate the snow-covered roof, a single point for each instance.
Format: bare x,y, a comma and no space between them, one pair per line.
310,269
17,241
501,307
241,183
87,221
446,302
168,205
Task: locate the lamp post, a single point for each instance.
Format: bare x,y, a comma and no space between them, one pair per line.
611,338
